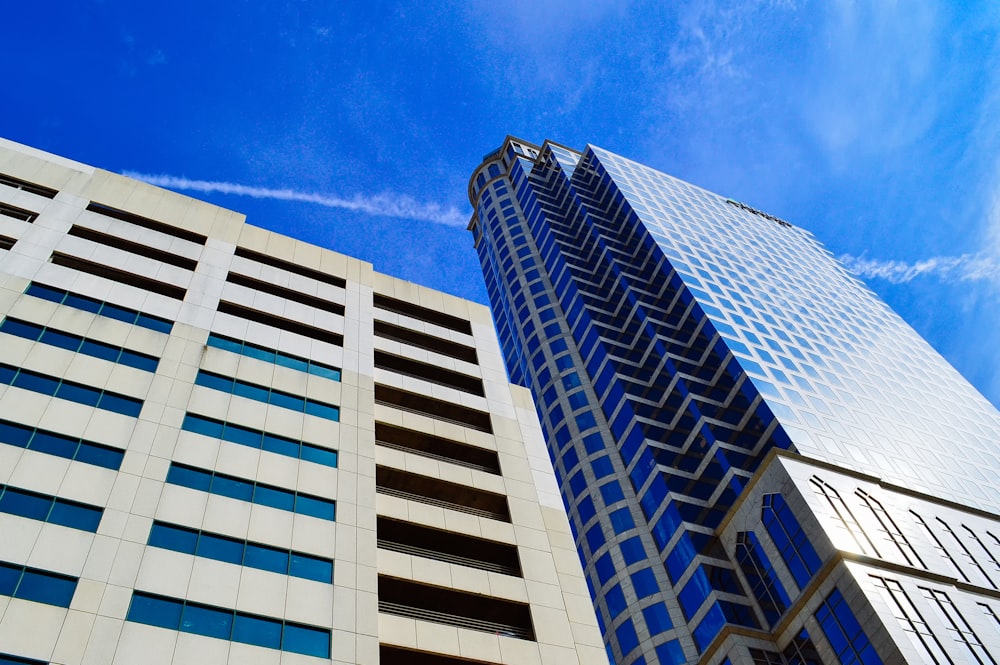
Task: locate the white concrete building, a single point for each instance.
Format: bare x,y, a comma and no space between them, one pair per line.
223,445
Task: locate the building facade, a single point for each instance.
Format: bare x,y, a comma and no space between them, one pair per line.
223,445
761,461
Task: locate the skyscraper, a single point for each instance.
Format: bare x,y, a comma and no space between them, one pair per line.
220,445
761,461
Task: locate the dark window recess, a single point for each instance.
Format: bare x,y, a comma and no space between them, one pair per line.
454,608
281,323
441,493
437,448
133,247
427,372
291,267
410,538
17,213
288,294
422,314
117,275
6,242
433,408
147,223
424,341
29,187
390,655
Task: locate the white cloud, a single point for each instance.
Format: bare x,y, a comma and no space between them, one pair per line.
964,268
385,204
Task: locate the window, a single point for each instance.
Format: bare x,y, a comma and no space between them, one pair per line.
78,344
52,443
99,307
8,210
246,436
761,576
791,541
248,490
429,372
891,530
463,550
133,247
909,617
267,395
69,390
427,342
225,624
958,627
844,514
844,633
271,356
51,509
6,242
241,552
40,586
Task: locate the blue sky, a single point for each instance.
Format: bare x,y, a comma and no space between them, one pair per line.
876,125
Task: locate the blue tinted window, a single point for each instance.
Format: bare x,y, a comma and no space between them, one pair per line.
220,548
605,568
306,640
76,392
792,543
46,508
272,356
257,630
657,618
95,306
155,611
632,550
267,395
308,505
761,576
14,434
615,600
621,520
319,455
602,466
246,490
595,538
44,587
98,455
644,582
36,585
586,510
173,538
671,653
842,630
627,639
208,621
75,515
311,568
266,558
612,493
51,443
275,498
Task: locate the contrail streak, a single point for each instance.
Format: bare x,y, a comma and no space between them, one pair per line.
964,268
381,205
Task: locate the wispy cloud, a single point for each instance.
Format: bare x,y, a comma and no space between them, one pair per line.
964,268
386,204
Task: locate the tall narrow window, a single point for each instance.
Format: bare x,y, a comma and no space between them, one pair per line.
912,622
958,627
891,530
793,545
847,519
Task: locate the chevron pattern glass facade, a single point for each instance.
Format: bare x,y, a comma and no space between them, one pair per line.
716,390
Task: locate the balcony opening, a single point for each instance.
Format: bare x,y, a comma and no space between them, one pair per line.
427,342
436,447
433,408
441,493
454,608
427,372
460,549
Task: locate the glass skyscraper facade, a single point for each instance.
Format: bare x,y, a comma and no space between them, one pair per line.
762,462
